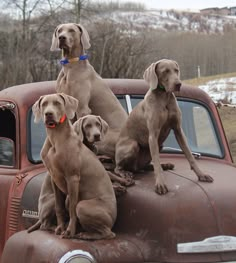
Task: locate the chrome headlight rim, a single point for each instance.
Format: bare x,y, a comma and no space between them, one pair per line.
75,253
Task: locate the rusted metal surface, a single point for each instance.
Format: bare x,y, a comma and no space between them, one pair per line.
150,226
48,248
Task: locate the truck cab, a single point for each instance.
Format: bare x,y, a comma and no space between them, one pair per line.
193,222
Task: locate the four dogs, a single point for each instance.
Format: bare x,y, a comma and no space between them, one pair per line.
78,183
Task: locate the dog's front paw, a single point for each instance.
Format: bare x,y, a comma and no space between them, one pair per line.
205,178
123,173
60,229
161,189
119,189
70,231
67,234
128,181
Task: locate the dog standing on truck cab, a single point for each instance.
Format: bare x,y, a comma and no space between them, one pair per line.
150,123
75,172
78,79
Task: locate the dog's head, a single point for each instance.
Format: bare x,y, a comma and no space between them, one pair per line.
91,128
52,108
70,36
164,74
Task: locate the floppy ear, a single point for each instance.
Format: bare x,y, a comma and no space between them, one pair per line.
55,42
150,76
85,41
71,105
78,127
104,126
37,110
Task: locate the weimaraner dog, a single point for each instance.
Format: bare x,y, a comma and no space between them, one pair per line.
78,78
93,129
150,123
75,172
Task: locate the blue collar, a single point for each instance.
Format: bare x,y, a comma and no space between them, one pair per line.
67,61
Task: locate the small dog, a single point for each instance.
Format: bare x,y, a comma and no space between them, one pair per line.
150,123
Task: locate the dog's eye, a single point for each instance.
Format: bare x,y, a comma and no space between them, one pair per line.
88,126
98,124
71,30
176,71
56,103
167,71
59,31
44,104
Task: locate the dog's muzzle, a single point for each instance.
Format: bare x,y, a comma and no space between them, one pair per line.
62,42
177,86
97,137
51,123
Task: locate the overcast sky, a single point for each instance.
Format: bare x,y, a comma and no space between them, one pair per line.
182,4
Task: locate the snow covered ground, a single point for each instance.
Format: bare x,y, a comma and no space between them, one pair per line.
221,88
169,20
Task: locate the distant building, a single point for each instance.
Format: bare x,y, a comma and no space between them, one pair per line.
224,11
233,11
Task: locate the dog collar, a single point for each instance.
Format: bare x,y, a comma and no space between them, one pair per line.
71,60
161,87
62,119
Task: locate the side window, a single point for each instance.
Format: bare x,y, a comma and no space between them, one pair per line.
36,137
205,138
7,136
199,130
135,99
6,152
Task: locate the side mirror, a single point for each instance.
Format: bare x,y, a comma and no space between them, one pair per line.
7,152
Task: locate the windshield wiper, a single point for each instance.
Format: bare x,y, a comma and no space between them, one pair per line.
195,154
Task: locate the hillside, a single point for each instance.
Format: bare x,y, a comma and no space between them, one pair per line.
169,20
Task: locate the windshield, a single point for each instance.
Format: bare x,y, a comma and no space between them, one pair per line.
199,130
196,122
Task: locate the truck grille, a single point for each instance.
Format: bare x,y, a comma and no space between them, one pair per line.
14,215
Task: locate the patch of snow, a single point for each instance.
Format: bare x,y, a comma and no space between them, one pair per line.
221,89
168,20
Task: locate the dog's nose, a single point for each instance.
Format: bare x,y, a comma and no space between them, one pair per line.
48,114
62,38
97,137
177,86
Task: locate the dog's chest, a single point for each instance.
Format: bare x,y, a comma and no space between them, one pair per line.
69,81
61,165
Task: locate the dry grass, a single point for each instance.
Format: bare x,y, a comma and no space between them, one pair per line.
228,118
227,114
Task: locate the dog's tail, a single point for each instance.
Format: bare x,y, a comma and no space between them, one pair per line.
34,227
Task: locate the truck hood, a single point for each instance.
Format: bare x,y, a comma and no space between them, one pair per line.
191,211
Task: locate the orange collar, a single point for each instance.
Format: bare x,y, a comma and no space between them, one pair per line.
62,119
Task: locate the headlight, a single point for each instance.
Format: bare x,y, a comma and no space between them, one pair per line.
77,256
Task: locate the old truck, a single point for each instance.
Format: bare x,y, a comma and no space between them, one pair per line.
193,222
